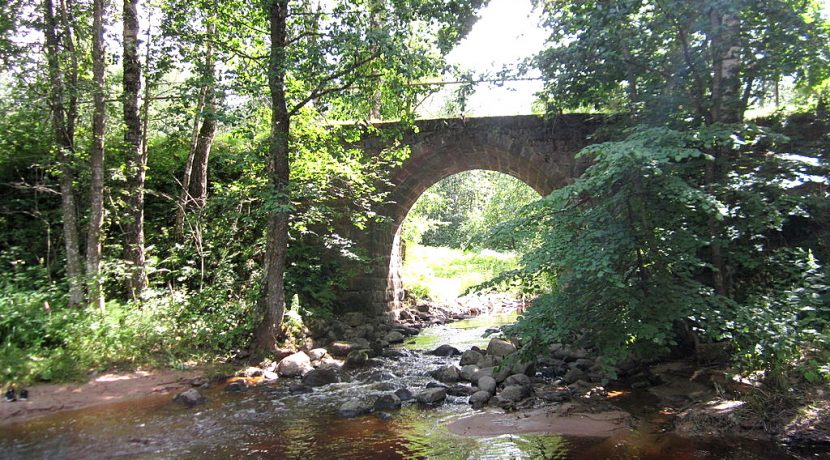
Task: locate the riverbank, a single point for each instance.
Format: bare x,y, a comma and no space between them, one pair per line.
107,388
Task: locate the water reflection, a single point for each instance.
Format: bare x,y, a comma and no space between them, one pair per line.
269,422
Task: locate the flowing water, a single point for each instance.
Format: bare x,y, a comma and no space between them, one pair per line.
268,421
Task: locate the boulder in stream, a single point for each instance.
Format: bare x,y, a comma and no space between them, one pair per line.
389,401
393,337
432,396
487,383
295,365
354,408
320,377
514,393
470,357
356,358
404,394
499,347
479,399
317,354
445,350
448,374
468,371
190,397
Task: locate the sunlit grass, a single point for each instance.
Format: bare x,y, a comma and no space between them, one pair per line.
445,273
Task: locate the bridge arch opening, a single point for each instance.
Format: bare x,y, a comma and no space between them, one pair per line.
444,227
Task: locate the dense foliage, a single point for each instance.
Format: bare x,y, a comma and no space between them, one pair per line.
459,210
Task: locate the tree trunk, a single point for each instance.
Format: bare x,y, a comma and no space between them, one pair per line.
726,108
96,159
273,295
726,83
201,154
63,132
202,140
136,161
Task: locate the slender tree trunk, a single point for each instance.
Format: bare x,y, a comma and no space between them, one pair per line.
202,140
63,132
726,108
135,157
96,159
199,180
273,296
726,83
184,197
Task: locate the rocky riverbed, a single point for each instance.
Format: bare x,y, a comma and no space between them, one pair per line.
452,390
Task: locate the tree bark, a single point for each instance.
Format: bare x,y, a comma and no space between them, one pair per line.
194,180
726,83
63,127
136,161
273,296
96,159
201,154
726,108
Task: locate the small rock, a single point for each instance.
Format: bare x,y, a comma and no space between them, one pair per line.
356,358
477,375
468,371
514,393
445,350
394,354
431,396
518,379
479,399
487,383
380,376
268,375
488,361
320,377
436,385
237,386
383,386
556,396
250,372
404,394
295,365
354,408
447,374
317,354
190,397
389,401
299,388
573,375
340,348
199,382
394,337
461,390
470,357
499,347
384,415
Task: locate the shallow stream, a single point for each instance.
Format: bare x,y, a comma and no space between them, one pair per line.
268,421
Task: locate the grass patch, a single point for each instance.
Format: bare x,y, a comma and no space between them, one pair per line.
445,273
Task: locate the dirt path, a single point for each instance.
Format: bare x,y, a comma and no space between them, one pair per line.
47,399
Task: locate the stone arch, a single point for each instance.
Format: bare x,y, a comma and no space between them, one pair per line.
541,152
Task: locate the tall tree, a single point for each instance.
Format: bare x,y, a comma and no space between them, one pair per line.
318,55
96,157
195,177
136,159
700,61
63,122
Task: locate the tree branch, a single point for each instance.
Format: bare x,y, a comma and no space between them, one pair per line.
322,87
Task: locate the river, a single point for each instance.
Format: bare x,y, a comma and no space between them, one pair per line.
269,421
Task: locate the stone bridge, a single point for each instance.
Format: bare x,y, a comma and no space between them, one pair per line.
538,151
